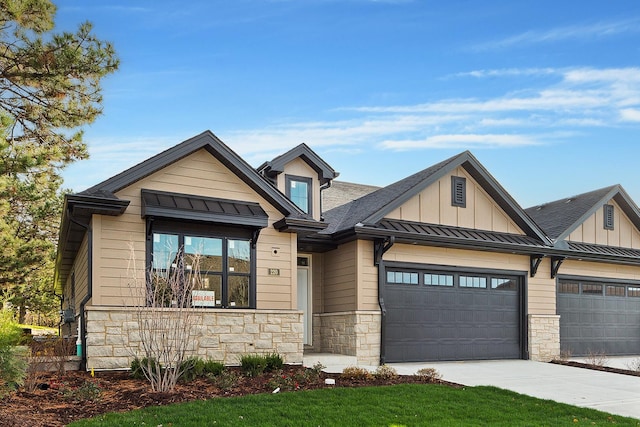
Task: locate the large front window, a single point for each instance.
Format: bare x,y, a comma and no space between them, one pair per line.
220,268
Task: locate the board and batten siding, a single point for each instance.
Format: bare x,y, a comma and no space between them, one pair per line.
299,167
197,174
541,294
624,233
433,205
340,278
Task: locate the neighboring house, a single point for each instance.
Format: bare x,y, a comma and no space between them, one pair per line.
442,265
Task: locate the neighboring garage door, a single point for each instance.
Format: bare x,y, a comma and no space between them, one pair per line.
597,317
446,315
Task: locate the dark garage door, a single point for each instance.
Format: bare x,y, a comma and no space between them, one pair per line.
597,317
439,315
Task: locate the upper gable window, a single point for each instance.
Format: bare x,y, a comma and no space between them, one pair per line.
298,190
608,217
459,191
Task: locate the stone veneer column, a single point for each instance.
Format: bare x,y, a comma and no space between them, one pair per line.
352,333
113,339
544,337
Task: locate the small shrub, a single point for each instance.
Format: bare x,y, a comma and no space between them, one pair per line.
213,368
90,390
253,364
430,374
596,358
565,354
634,365
314,372
13,363
274,362
226,380
192,368
355,373
140,367
385,372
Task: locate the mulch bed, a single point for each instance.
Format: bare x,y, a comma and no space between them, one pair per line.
597,367
68,398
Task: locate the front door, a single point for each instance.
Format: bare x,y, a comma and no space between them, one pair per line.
304,296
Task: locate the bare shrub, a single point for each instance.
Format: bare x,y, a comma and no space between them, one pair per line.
164,317
355,373
596,358
385,372
634,365
565,354
431,374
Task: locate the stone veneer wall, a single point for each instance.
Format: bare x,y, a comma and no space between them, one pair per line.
544,337
223,335
353,333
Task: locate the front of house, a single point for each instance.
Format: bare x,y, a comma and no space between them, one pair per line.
442,265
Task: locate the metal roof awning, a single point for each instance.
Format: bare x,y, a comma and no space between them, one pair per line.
162,204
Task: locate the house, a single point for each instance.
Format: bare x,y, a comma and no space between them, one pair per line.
442,265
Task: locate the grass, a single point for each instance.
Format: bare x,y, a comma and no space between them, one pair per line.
400,405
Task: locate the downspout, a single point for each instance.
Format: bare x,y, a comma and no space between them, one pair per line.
85,300
379,249
322,188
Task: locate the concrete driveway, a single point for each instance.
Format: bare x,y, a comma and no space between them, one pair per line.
609,392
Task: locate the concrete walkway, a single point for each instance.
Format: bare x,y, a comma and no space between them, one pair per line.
608,392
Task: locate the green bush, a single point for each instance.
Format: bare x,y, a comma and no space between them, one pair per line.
13,362
213,368
140,366
355,373
385,372
274,362
253,364
192,368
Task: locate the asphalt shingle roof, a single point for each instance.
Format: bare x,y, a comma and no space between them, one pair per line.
556,217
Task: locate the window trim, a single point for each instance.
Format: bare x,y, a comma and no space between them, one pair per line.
459,191
209,231
608,214
288,179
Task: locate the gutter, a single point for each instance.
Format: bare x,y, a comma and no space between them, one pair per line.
85,300
379,249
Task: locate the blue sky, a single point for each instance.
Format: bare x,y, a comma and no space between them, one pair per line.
546,94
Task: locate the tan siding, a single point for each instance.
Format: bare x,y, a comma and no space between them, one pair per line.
541,289
79,275
602,270
299,167
433,205
340,279
367,277
317,282
592,230
199,174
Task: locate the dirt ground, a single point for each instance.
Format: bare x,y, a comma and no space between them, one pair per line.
61,399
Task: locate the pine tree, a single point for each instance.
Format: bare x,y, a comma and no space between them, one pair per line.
49,88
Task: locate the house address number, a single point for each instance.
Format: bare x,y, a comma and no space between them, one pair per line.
274,272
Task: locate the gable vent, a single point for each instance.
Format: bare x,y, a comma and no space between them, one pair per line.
459,191
608,217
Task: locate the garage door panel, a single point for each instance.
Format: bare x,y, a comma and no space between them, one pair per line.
451,323
598,323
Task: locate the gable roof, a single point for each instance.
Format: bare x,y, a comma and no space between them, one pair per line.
208,141
101,198
372,208
276,166
561,217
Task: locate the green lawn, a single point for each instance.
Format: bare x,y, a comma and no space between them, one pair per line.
401,405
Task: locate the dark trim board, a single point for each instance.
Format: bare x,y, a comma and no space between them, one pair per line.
438,314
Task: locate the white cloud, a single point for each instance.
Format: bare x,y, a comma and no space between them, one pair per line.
461,141
571,32
509,72
630,115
